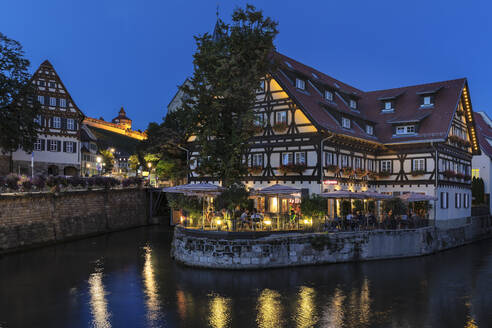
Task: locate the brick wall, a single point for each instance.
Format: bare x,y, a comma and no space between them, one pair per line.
32,219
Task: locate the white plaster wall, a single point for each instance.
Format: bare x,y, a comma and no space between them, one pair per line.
483,163
51,156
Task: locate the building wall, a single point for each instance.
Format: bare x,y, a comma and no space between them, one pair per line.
483,164
33,219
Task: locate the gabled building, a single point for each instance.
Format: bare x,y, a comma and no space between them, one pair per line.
88,150
57,150
482,164
320,134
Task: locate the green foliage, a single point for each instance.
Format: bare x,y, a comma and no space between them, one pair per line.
222,91
371,206
419,206
107,159
358,205
395,205
234,195
478,193
314,206
18,106
134,162
345,207
191,204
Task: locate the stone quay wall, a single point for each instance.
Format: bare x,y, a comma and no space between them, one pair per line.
223,250
32,219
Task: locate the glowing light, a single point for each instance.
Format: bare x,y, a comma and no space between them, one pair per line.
267,222
306,311
269,309
151,292
219,222
334,314
220,308
98,302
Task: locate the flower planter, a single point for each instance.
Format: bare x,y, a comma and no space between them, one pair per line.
333,168
417,173
348,171
255,169
280,127
383,174
292,168
449,174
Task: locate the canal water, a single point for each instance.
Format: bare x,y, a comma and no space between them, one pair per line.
127,279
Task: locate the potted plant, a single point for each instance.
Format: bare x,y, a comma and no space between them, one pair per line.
256,169
416,173
348,171
361,172
257,129
454,139
384,174
280,127
298,168
332,168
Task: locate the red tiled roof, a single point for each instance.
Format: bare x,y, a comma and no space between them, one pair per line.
434,121
484,132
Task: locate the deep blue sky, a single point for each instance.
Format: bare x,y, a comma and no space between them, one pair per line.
134,53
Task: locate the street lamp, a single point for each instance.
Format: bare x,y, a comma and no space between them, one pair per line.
98,159
149,165
112,150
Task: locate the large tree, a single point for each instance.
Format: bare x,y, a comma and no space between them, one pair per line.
228,68
18,107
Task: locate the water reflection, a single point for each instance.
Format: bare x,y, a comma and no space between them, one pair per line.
306,310
151,289
333,315
220,311
98,302
269,309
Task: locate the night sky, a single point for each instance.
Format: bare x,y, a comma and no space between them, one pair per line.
134,53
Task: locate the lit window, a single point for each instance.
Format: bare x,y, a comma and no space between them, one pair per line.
53,145
257,160
37,145
52,101
281,117
300,84
41,100
419,164
476,173
346,122
386,166
388,105
353,104
56,122
287,158
70,124
63,102
329,95
369,129
300,157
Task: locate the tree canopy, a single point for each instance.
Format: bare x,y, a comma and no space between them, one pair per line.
18,107
228,68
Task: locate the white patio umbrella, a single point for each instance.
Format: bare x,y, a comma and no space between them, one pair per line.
343,194
278,189
375,195
416,197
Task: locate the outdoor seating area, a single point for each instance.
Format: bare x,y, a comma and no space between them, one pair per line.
280,208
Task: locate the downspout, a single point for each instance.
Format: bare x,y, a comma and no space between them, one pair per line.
322,173
436,164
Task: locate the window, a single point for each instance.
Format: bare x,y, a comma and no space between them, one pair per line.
53,145
346,122
466,200
41,83
457,200
386,166
419,164
388,105
344,160
262,85
427,101
37,145
405,129
329,160
300,158
56,122
476,173
41,100
328,95
69,147
300,84
70,124
281,117
52,101
38,119
370,164
357,163
369,129
63,102
52,85
444,199
287,158
257,160
353,104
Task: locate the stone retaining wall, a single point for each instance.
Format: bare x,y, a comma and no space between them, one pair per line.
40,218
224,250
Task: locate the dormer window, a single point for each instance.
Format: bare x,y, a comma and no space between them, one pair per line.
427,101
329,95
388,105
353,104
300,84
346,122
369,129
405,129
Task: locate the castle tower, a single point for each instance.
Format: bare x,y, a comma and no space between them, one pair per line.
122,119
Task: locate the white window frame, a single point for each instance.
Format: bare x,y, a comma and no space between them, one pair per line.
370,164
328,95
41,100
281,117
69,146
369,129
405,129
357,163
52,101
300,84
386,165
259,119
353,104
38,119
300,158
70,124
49,84
63,102
344,160
457,200
37,145
388,105
56,122
419,164
53,145
257,160
287,158
329,158
427,101
345,123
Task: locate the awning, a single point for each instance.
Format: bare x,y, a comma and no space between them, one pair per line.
343,194
278,189
416,197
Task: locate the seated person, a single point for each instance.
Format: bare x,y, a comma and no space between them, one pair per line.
244,219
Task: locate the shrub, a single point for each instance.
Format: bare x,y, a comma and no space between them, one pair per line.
313,206
12,181
2,182
62,181
126,182
39,182
395,205
384,174
26,184
91,182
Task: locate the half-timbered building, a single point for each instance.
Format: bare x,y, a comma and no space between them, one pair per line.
57,149
319,134
482,164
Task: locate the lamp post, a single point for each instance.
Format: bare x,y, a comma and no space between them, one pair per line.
99,167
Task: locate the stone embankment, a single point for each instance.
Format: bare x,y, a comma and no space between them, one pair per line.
223,250
32,219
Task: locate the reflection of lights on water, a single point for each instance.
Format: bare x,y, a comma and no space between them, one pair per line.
365,303
333,314
98,303
181,303
471,323
152,301
220,308
269,309
306,311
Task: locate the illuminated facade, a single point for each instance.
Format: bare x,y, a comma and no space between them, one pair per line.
482,165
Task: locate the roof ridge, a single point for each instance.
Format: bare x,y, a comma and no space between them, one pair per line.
416,85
